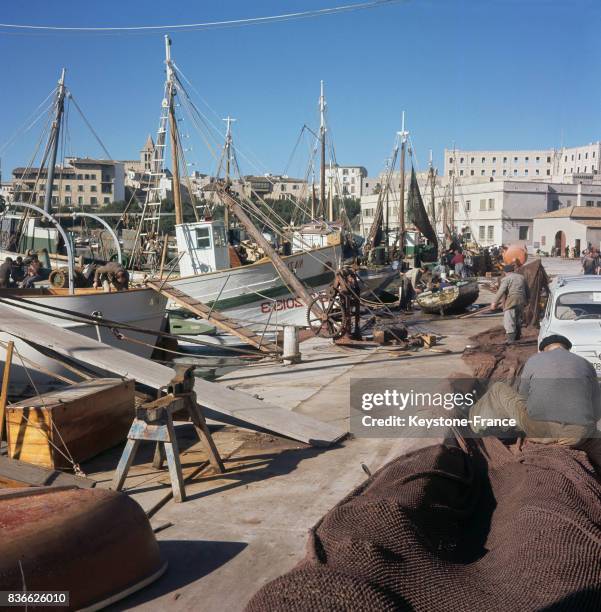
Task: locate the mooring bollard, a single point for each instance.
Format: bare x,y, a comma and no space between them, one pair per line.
291,352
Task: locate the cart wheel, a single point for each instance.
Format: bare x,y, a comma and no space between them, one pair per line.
326,317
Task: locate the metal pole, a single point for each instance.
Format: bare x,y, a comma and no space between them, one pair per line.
108,228
53,140
61,231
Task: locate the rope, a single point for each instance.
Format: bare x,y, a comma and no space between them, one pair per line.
209,24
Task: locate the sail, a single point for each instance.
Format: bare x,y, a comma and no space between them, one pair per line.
416,211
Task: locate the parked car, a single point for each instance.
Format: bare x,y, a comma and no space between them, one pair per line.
574,311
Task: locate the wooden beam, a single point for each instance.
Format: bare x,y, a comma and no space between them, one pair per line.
219,402
5,380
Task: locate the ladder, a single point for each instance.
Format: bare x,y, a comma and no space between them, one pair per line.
198,308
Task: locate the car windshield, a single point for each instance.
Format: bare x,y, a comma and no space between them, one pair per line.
578,305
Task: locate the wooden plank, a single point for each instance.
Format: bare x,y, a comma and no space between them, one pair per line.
220,403
15,473
5,381
228,325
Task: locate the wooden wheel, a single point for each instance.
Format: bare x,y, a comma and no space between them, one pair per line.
326,317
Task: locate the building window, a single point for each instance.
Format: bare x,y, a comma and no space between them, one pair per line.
586,156
549,160
482,204
484,160
471,173
472,160
590,203
80,177
515,159
515,172
543,240
504,160
79,187
106,200
482,172
67,187
468,205
538,160
504,172
526,159
93,177
92,187
481,232
494,160
450,160
523,232
578,156
80,200
93,201
494,172
461,160
526,171
564,159
345,172
460,172
67,201
537,172
491,204
86,177
490,234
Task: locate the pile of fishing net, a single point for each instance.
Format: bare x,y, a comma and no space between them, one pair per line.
488,528
491,358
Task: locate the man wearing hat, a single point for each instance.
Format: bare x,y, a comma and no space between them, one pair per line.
558,400
514,290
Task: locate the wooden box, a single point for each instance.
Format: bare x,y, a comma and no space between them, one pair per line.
86,418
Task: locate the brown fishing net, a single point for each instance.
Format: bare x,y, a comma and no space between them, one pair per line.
443,529
491,358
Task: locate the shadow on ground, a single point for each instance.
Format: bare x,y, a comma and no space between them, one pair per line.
189,561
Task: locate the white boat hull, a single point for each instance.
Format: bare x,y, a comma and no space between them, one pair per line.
140,307
255,294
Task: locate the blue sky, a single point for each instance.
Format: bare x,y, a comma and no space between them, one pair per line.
480,74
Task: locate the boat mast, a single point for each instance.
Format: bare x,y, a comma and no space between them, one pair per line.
403,136
53,139
432,185
228,157
173,134
330,195
452,212
322,138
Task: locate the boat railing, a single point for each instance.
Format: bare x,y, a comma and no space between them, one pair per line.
61,231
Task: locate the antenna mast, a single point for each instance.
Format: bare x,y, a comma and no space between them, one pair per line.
53,139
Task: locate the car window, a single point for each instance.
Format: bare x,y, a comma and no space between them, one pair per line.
578,305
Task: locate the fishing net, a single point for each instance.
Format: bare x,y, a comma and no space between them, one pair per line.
487,529
538,283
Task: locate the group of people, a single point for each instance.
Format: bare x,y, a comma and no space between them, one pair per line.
456,260
20,272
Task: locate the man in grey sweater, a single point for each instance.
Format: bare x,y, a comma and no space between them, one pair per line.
515,293
558,400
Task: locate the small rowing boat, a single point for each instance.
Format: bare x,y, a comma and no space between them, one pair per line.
452,298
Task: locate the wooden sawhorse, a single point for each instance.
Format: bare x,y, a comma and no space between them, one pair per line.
154,423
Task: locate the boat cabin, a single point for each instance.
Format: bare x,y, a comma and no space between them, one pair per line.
203,247
314,237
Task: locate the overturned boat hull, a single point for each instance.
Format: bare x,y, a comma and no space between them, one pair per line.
96,544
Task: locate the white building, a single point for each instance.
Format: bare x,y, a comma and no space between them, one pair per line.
346,181
575,227
492,212
557,165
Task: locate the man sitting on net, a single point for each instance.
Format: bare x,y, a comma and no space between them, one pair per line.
558,400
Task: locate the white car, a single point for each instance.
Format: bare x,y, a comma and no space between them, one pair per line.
574,311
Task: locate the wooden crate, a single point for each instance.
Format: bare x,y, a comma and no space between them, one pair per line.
88,418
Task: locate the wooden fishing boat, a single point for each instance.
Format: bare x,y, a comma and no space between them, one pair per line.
94,543
449,299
